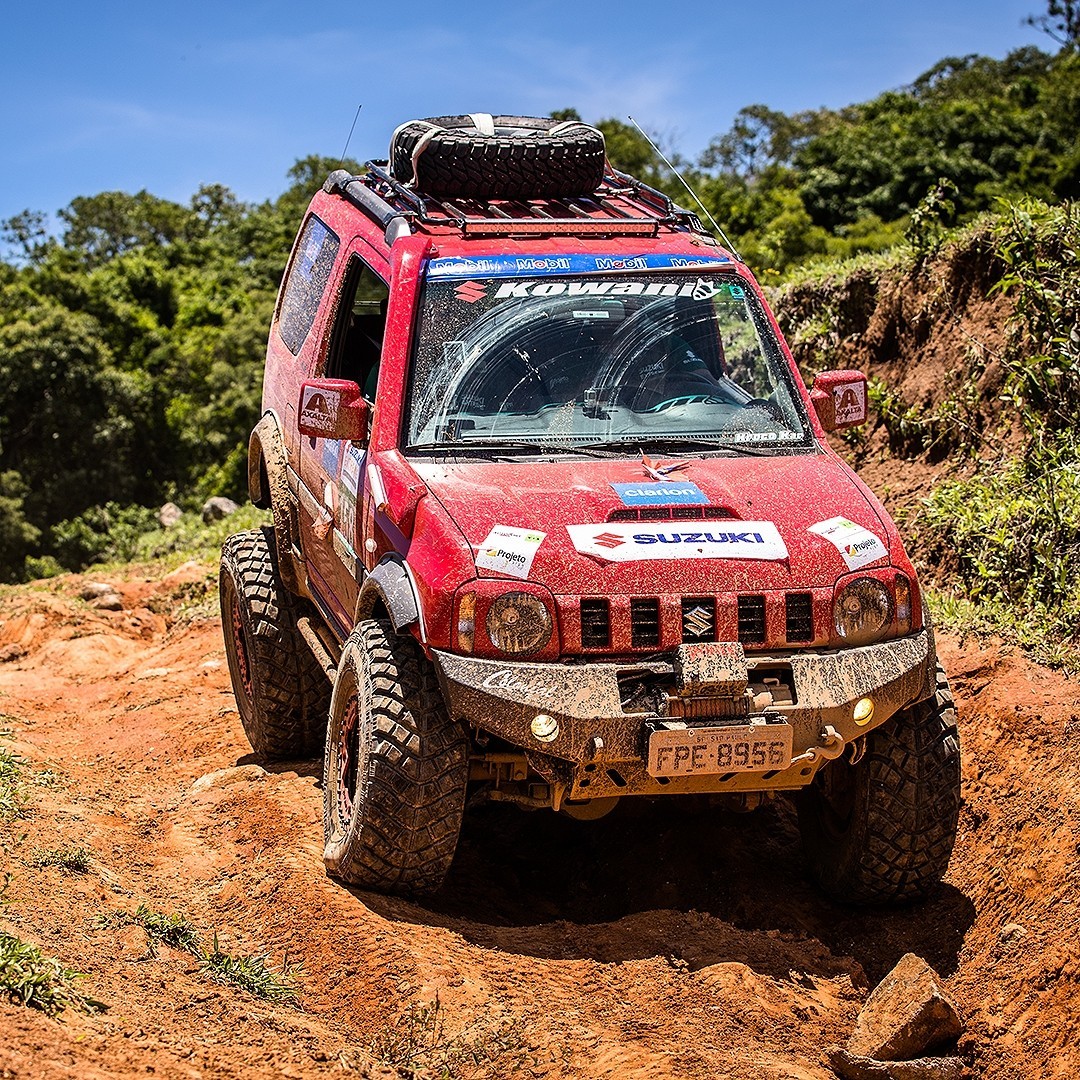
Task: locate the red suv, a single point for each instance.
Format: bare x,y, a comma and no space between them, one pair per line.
555,520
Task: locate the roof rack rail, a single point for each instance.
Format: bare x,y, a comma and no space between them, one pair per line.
621,206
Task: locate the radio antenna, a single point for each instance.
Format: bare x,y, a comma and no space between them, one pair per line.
351,130
693,195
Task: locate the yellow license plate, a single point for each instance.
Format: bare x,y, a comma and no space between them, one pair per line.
718,750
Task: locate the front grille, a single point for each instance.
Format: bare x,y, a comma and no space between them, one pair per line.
644,622
752,619
670,513
800,617
698,619
595,624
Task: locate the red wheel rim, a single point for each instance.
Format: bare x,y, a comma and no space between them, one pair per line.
243,663
348,755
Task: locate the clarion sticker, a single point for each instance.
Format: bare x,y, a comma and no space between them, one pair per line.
857,546
717,540
509,550
661,493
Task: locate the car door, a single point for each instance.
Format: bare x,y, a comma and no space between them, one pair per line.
332,470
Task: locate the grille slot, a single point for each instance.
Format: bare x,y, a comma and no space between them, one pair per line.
800,617
670,513
699,618
752,619
595,624
644,622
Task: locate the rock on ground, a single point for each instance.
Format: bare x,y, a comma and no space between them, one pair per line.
218,507
855,1067
907,1014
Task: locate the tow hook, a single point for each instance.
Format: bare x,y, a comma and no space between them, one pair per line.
858,751
832,746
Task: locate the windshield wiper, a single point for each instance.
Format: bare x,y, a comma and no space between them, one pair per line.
683,442
587,449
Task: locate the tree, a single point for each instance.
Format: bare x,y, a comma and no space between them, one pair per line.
1061,22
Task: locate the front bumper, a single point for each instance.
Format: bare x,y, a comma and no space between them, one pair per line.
601,745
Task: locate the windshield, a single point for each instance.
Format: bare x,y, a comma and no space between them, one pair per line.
599,360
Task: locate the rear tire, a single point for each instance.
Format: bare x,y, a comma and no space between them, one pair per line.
395,770
525,158
882,831
281,692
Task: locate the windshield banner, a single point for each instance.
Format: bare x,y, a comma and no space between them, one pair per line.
719,540
500,266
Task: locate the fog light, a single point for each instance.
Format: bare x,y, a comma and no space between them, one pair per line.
545,728
863,712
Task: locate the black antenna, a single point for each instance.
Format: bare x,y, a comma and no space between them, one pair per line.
351,130
693,195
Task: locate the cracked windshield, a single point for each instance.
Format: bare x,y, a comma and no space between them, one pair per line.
600,361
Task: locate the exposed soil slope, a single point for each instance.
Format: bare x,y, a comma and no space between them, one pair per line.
668,940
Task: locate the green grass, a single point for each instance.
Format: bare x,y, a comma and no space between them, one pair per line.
29,977
251,973
13,799
73,860
418,1042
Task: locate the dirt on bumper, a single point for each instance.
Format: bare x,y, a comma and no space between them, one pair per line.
587,724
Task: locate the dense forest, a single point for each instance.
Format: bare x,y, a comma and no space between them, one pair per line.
131,342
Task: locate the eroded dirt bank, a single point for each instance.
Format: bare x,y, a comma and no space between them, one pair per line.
668,940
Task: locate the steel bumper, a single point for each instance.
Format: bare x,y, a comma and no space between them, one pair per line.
593,729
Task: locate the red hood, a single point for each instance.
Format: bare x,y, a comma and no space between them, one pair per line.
793,492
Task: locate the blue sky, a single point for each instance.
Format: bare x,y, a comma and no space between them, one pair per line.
106,95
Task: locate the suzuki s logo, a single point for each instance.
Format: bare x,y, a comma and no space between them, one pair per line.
608,540
470,291
697,621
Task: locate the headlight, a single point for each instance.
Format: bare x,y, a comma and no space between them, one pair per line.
518,622
863,612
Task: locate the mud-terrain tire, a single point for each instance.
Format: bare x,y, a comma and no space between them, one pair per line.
395,770
524,158
281,692
882,831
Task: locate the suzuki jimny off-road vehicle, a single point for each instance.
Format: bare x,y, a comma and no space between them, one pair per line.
555,523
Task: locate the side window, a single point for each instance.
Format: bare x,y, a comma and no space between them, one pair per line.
356,341
310,270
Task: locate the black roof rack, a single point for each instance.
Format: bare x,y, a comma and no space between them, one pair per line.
621,206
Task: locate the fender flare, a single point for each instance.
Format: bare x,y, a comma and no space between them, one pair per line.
268,489
266,461
391,584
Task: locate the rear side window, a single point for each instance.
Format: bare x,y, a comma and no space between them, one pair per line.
308,275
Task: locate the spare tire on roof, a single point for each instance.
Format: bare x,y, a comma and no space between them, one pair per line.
498,157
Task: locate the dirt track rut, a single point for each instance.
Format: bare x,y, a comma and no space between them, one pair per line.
667,940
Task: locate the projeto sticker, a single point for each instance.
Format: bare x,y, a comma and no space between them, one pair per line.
719,540
857,546
509,550
661,493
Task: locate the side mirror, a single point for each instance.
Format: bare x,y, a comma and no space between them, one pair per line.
839,398
333,409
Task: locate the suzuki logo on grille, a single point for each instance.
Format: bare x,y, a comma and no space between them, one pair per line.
697,621
471,291
608,540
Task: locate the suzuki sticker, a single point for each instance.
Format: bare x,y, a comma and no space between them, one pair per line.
717,540
509,550
857,546
661,493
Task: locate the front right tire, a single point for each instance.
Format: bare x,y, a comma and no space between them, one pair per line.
882,831
395,769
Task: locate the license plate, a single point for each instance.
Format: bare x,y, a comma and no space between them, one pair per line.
717,750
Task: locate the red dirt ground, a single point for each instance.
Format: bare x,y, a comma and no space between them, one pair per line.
667,940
